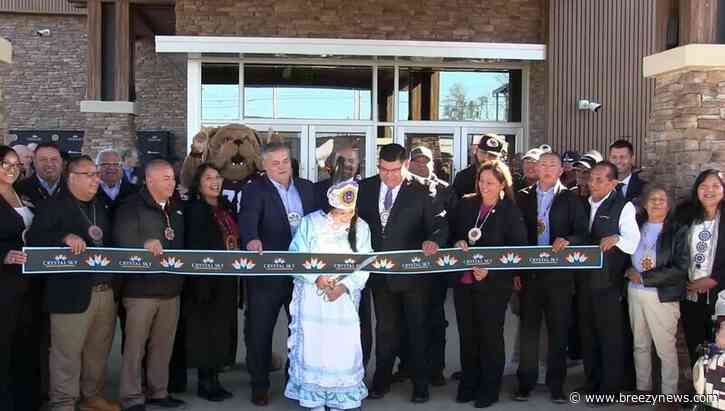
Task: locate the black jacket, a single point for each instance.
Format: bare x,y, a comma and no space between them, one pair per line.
465,181
139,219
672,265
635,188
504,227
55,218
11,230
30,189
126,190
444,200
412,221
567,220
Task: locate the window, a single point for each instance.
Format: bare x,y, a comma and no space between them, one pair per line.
219,91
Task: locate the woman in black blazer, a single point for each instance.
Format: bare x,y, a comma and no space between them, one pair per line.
488,218
19,349
210,302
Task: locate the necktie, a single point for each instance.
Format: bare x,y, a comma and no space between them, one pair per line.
388,200
622,188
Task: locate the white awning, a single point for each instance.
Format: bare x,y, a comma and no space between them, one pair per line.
348,47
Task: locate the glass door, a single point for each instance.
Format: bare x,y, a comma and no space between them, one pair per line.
330,143
293,136
442,141
470,137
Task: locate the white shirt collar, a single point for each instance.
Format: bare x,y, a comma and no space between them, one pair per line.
598,203
626,180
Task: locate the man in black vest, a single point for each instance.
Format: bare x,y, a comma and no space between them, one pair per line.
400,214
612,225
554,216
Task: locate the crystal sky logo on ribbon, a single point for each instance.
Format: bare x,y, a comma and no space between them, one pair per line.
172,262
134,262
446,261
478,259
60,261
347,265
510,258
279,264
244,264
207,264
416,264
544,258
576,258
97,261
314,264
383,264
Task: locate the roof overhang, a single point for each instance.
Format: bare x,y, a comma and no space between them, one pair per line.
348,47
6,51
684,58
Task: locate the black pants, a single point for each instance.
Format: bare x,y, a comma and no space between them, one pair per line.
395,310
541,299
600,316
20,346
480,314
574,343
697,323
366,324
263,305
435,352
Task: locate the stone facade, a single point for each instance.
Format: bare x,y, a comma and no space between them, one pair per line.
686,132
3,113
105,130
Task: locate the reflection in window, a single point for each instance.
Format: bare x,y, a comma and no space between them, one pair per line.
442,147
386,93
315,92
433,94
219,91
347,149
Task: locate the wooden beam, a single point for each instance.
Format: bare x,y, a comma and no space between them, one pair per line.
94,21
698,21
123,51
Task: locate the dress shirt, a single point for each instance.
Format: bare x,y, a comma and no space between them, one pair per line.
628,228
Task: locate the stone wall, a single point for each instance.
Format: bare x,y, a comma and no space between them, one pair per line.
104,131
686,131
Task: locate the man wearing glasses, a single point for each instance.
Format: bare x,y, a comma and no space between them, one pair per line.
114,187
82,307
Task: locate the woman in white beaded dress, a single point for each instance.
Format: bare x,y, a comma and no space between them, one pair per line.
325,353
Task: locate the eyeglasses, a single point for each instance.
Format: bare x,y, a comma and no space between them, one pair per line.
90,174
9,166
110,164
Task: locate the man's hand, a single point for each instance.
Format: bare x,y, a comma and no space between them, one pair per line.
633,275
479,273
323,282
559,244
76,244
608,242
429,248
336,292
15,257
199,143
518,285
463,245
154,247
255,245
702,285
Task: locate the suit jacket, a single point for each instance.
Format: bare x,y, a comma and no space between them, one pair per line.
124,192
504,227
56,218
263,217
567,220
465,181
412,221
11,229
635,188
31,189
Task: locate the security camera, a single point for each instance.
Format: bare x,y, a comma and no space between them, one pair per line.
594,107
589,105
42,33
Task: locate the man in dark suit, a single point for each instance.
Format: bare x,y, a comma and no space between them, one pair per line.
490,147
114,187
82,306
47,180
401,216
553,216
621,153
272,208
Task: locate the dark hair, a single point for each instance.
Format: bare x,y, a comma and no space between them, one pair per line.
47,145
393,152
622,143
613,174
691,210
352,233
5,150
650,189
75,161
272,147
195,186
502,173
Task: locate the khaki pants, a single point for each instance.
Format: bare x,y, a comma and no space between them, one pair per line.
79,348
653,320
151,320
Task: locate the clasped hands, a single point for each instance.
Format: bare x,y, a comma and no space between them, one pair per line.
330,287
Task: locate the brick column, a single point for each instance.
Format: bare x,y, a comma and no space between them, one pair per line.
5,58
686,129
109,130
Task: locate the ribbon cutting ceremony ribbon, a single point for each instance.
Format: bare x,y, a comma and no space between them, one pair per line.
58,260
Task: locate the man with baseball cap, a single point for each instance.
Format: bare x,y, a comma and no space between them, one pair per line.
491,147
530,168
567,161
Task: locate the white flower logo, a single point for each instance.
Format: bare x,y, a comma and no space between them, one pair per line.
510,258
349,261
243,264
415,260
576,257
446,261
135,259
477,257
98,261
60,258
172,262
208,260
279,261
314,264
383,263
544,254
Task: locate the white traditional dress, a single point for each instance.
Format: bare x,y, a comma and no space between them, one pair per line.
325,353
